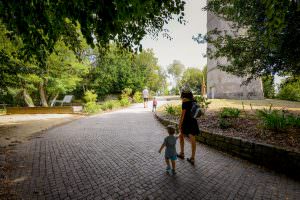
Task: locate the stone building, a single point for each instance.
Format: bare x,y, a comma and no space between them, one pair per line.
221,84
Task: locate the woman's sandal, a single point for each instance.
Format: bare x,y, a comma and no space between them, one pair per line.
191,160
181,156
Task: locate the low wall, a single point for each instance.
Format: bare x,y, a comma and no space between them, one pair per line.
270,156
40,110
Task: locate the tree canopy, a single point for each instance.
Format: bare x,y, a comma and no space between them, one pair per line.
265,37
40,24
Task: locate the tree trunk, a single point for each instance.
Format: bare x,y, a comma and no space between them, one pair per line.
43,95
54,99
27,98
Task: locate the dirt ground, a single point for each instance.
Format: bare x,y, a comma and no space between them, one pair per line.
16,129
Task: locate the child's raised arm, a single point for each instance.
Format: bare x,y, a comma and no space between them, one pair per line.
161,148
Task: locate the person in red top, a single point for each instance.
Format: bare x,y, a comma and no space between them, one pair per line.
154,105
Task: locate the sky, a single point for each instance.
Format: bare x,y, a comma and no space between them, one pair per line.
182,47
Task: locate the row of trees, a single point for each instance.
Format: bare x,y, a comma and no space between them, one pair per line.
106,71
50,48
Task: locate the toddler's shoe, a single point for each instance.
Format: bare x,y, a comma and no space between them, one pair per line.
173,172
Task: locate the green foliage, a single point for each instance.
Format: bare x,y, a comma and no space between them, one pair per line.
293,121
268,86
173,110
41,24
202,101
126,93
91,107
265,37
230,113
224,123
111,104
194,78
290,90
137,97
124,102
273,119
119,68
90,96
226,116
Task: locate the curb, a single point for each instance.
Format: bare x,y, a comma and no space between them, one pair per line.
270,156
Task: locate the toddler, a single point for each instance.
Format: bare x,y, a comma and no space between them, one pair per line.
170,152
154,104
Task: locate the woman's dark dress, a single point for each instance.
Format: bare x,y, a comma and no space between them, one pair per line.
189,124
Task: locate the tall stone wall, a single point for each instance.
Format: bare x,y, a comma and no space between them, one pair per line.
221,84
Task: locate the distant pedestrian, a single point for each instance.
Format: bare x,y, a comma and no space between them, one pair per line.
170,152
154,104
188,125
145,97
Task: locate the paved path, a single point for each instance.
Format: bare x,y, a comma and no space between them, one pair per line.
115,156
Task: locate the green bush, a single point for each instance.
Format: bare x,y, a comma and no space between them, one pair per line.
126,93
91,107
124,102
202,101
230,113
90,96
137,97
224,123
109,105
173,110
290,91
273,119
293,121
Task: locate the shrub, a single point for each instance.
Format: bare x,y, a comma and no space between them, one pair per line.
290,91
126,93
91,107
202,101
173,110
90,96
124,102
230,113
273,119
224,123
137,97
293,121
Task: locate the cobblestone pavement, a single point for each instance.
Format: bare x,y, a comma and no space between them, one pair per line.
115,156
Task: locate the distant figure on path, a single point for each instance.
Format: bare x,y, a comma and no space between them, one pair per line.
170,152
154,104
188,125
145,96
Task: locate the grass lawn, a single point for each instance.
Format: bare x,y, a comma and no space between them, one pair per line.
216,104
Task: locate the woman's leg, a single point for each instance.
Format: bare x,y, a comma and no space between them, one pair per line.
181,140
193,144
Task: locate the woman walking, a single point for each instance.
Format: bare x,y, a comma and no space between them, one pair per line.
188,125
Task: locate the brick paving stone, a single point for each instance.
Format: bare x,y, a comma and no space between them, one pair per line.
115,156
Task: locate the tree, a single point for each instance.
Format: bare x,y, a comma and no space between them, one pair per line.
268,86
40,24
61,74
290,89
175,70
254,47
194,78
17,78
